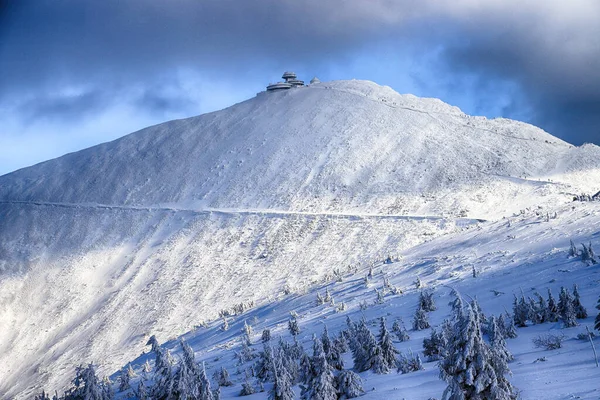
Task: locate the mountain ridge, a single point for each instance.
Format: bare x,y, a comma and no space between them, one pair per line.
93,282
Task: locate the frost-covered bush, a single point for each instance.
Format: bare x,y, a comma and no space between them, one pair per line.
549,341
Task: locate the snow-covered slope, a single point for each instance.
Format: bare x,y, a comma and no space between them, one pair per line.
159,230
525,254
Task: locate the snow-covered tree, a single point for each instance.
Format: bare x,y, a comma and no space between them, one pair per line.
497,342
587,253
553,314
246,352
365,352
293,326
141,391
469,367
87,386
225,324
521,311
328,298
434,347
580,311
388,350
426,300
400,331
124,380
541,309
565,308
321,383
349,385
508,323
573,250
409,363
205,390
247,330
282,383
332,352
264,363
222,377
266,335
153,342
420,320
164,381
247,388
320,299
286,356
146,369
305,370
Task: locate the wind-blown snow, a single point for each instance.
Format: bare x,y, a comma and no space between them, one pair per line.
159,230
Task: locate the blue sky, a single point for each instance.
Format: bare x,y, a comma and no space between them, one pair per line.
80,72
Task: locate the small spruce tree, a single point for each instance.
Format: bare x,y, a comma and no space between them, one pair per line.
420,320
349,385
580,311
565,308
400,330
388,350
553,314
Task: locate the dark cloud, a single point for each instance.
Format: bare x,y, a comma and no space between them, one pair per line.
538,62
66,107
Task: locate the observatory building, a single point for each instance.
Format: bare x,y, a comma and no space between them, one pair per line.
290,82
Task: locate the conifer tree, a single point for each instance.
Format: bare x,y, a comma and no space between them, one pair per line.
124,380
282,385
426,301
388,351
349,385
185,386
420,320
521,311
509,329
87,386
542,309
246,353
146,369
293,326
320,385
553,314
247,388
264,363
565,308
580,311
247,330
163,378
497,342
364,348
469,366
153,342
573,250
434,347
400,331
223,377
205,390
266,335
327,298
305,368
141,391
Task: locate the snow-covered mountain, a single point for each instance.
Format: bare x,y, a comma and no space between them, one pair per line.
158,231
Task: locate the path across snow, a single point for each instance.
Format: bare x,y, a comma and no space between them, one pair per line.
253,211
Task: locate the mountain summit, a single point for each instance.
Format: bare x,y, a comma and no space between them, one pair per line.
159,230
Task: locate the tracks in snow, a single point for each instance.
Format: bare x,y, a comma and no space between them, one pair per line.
248,211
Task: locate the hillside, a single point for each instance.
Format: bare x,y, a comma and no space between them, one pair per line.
526,254
158,231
